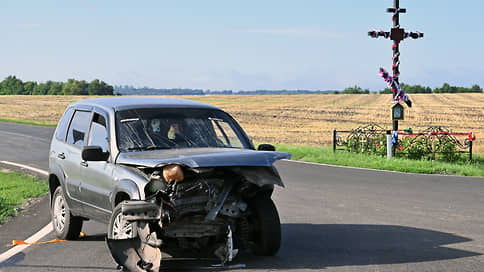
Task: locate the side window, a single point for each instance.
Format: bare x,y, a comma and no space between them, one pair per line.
78,128
98,135
226,134
62,126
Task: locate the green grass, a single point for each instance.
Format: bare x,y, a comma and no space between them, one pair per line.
15,188
25,122
326,155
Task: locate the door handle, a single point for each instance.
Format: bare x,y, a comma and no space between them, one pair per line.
61,156
84,164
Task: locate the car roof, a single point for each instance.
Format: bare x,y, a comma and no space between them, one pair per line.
134,102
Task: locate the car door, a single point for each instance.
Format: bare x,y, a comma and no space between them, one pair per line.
76,136
97,182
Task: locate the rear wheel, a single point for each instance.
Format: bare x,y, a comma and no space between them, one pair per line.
66,226
265,226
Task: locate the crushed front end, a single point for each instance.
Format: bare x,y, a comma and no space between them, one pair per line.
200,212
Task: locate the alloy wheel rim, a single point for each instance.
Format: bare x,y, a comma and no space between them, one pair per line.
121,228
59,214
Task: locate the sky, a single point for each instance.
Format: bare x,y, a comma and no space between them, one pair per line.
239,45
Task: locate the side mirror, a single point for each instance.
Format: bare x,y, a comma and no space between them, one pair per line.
266,147
94,153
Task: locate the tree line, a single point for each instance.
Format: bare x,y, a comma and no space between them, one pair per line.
411,89
15,86
446,88
130,90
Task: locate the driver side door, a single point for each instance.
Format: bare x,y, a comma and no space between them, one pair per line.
97,181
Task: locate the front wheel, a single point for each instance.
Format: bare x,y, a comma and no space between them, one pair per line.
119,228
265,226
66,226
128,242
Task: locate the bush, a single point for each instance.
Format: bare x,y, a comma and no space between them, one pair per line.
432,148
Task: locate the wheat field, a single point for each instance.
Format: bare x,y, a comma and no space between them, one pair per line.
300,119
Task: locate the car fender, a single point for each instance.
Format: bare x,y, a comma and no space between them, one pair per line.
58,172
126,186
261,176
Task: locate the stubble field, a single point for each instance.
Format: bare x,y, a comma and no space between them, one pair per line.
299,119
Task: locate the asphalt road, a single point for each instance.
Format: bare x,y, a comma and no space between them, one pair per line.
333,219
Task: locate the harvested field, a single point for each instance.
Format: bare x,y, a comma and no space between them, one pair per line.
300,119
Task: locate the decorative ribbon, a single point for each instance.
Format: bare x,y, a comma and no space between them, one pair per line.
398,93
395,137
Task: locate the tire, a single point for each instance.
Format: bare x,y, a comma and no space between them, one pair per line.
265,226
66,226
120,230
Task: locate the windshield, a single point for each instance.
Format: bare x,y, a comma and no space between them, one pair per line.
162,128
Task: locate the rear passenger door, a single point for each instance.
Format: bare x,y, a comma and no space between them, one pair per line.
97,182
76,137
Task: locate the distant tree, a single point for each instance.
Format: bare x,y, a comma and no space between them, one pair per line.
94,87
54,88
74,87
386,91
445,89
355,90
476,89
40,89
106,89
11,85
29,87
410,89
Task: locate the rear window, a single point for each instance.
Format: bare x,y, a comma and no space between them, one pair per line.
78,128
62,126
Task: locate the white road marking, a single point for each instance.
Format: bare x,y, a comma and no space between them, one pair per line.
359,168
32,239
37,236
27,167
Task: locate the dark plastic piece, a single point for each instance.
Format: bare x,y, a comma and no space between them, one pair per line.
266,147
94,153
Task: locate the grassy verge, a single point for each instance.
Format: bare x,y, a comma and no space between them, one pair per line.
15,188
25,122
326,155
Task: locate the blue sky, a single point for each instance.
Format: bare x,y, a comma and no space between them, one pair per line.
239,45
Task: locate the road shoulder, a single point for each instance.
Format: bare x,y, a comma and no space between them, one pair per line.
33,216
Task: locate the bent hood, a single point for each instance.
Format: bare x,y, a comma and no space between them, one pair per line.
202,157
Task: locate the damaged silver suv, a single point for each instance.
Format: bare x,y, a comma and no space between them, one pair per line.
167,175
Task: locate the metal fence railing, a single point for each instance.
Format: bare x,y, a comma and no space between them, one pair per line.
432,143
